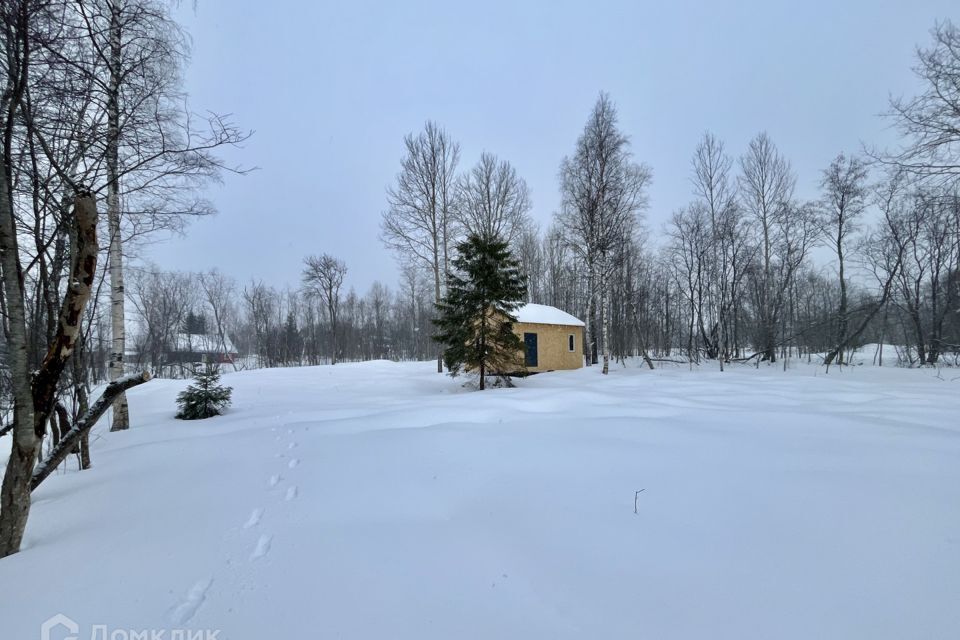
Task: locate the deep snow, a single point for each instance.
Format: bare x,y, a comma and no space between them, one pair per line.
382,500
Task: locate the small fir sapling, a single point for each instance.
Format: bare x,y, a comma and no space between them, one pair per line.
204,398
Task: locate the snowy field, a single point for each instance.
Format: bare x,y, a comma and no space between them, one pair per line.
383,501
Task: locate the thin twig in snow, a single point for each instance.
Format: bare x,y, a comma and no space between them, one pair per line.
636,495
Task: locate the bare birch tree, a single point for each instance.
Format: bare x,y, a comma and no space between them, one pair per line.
844,201
715,189
529,252
419,222
323,278
153,153
493,201
766,192
219,291
602,193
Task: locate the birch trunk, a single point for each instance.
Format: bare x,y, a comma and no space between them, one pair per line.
14,494
587,334
35,396
436,299
121,414
605,319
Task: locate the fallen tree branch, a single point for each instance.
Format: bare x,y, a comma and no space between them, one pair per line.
84,423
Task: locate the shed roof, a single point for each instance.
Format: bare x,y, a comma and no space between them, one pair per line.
543,314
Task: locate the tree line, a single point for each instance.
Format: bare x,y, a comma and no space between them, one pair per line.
747,271
733,276
316,323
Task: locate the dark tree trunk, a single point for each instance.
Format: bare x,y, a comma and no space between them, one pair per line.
15,492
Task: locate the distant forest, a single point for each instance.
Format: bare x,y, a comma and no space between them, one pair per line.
746,272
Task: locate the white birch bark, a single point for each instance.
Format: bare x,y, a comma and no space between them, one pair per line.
587,333
121,414
605,315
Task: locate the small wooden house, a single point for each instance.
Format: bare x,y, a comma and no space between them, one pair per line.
552,339
195,348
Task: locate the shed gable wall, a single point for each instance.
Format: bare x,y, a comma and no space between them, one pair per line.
553,352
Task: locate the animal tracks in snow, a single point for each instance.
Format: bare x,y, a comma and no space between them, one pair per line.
264,542
262,548
254,518
187,608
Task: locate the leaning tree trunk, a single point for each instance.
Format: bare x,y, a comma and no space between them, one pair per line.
865,322
70,439
121,414
41,394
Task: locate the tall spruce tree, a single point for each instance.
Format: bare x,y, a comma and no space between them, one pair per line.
475,323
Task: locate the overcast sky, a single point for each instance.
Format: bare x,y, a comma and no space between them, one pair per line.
331,89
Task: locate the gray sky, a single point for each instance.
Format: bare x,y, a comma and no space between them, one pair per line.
332,88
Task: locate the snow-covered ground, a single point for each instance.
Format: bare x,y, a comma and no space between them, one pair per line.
382,500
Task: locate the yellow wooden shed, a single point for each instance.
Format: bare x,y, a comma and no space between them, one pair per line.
552,339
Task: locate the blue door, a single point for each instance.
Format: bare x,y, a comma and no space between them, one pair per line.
530,349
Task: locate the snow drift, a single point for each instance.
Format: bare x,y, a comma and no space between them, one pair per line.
381,500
